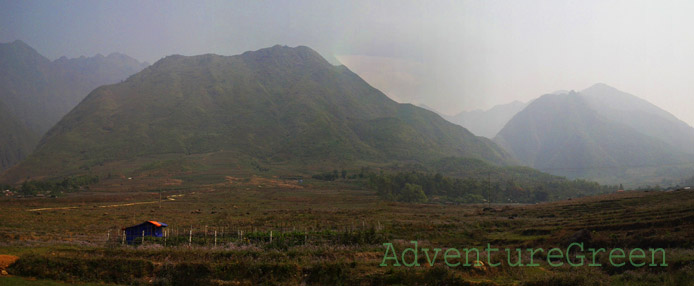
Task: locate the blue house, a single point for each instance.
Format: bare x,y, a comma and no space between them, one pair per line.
150,228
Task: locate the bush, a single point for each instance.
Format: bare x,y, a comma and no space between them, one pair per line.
412,194
102,269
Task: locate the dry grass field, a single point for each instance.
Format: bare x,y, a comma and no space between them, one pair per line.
328,233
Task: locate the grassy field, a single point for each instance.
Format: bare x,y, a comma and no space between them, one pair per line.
328,233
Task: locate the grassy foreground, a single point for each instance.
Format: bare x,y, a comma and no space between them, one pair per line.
330,233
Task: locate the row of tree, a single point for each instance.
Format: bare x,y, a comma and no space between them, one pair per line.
423,187
57,187
334,175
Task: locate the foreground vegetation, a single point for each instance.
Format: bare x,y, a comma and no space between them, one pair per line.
330,233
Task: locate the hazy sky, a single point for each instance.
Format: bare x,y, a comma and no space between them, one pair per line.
450,55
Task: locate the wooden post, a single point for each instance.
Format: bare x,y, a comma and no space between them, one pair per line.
108,236
489,190
271,236
123,240
165,232
143,237
215,238
190,236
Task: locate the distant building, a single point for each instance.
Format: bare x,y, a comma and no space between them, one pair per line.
149,228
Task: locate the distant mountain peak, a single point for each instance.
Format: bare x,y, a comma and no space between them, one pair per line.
20,43
18,51
597,133
287,55
601,87
488,122
37,92
277,55
278,105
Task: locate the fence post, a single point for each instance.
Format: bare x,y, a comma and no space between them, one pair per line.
108,236
190,236
215,238
143,237
123,240
271,236
165,233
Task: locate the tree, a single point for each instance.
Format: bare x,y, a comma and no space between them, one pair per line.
541,196
413,194
28,189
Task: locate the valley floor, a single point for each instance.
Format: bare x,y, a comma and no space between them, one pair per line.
265,231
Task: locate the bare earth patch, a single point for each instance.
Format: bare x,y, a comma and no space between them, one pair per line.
7,260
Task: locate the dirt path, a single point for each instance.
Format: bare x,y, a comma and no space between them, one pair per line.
49,209
169,198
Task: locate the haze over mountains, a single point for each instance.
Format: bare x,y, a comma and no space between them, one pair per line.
600,133
271,106
36,92
640,115
289,107
489,122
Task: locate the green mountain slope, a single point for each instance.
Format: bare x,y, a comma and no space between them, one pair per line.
38,92
16,141
278,105
562,134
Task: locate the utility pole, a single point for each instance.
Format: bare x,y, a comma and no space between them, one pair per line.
489,189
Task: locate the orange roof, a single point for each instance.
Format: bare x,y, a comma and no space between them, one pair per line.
156,223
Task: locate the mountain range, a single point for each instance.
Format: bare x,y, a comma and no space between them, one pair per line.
288,108
274,106
489,122
600,133
36,92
